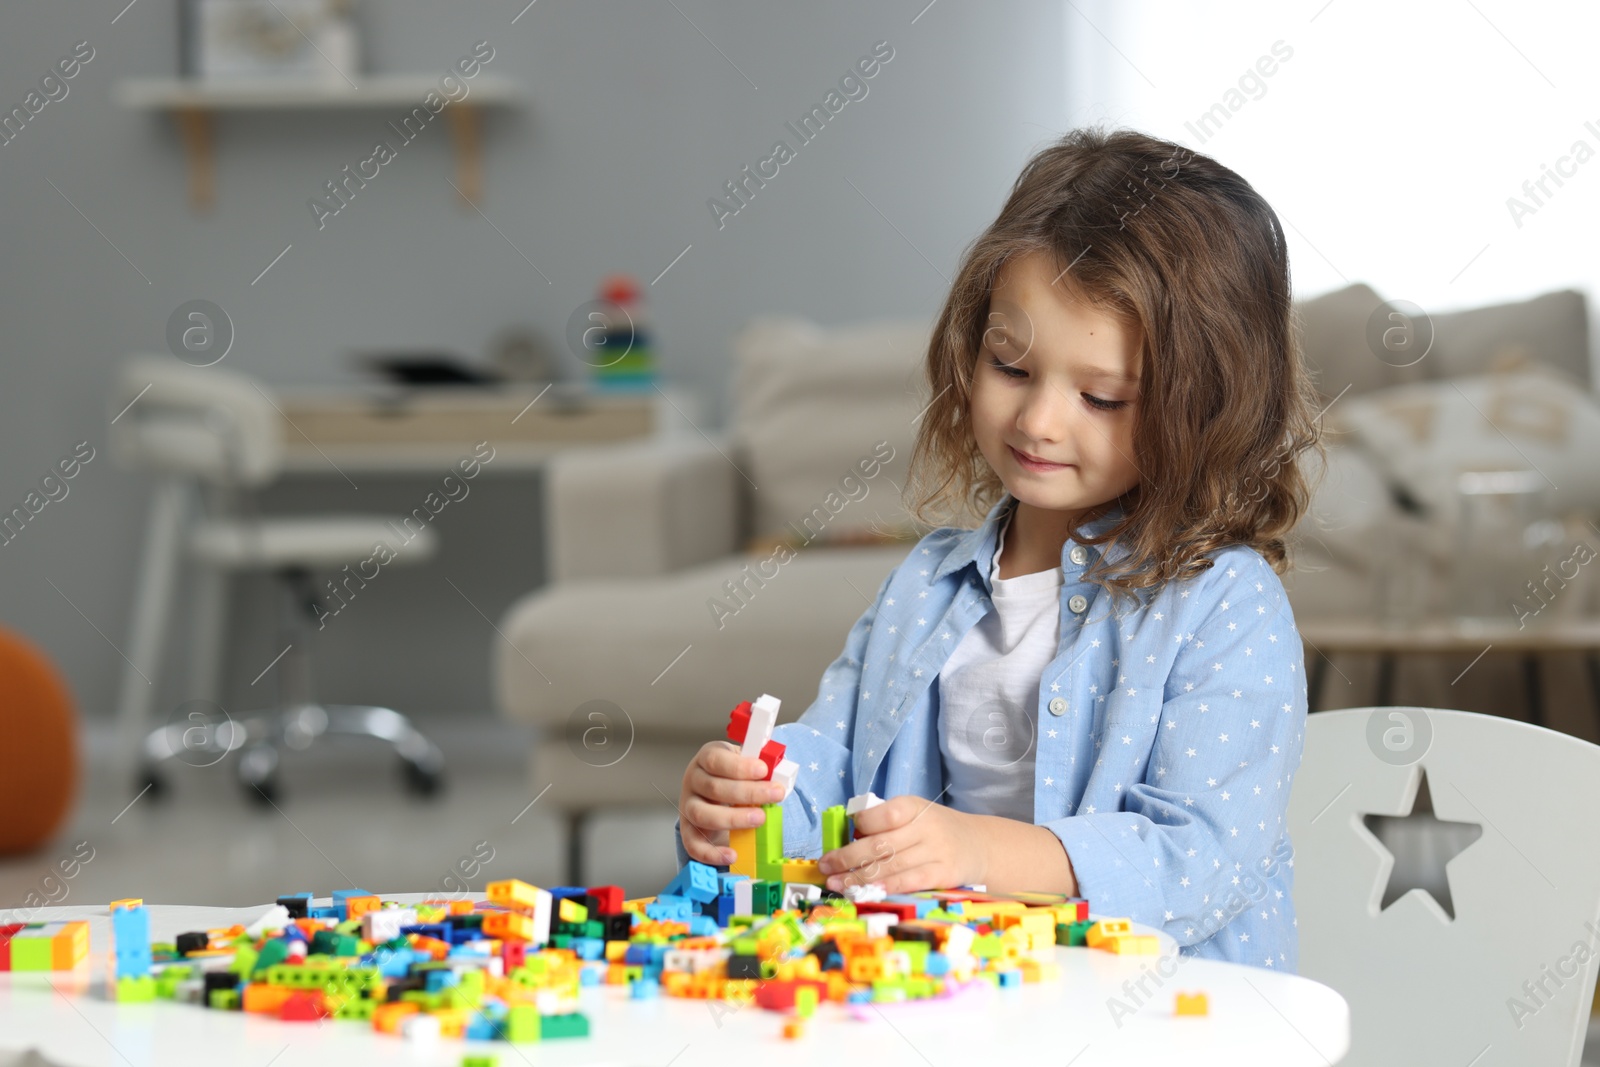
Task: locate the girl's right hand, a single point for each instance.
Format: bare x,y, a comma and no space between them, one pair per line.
722,790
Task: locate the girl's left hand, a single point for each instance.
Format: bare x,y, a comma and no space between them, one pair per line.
910,843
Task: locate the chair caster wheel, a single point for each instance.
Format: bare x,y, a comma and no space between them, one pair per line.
263,794
421,781
258,766
151,782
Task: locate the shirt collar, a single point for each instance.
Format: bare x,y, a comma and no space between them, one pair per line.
977,546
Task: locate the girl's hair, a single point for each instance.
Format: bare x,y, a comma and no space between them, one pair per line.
1173,241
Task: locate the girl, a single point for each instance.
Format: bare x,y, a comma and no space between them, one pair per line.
1099,689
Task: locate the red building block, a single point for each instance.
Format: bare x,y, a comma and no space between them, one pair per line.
608,898
6,932
771,754
739,722
304,1006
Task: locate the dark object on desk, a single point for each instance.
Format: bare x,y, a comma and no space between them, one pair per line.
425,368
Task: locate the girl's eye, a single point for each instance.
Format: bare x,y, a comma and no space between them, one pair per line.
1010,371
1005,368
1104,405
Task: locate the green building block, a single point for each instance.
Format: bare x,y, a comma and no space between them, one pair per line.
886,990
167,981
986,946
572,1024
480,1060
140,990
835,828
918,953
360,1008
225,999
522,1023
469,989
272,953
1077,933
769,844
32,954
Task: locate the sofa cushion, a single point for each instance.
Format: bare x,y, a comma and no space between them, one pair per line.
670,657
823,422
1341,340
1426,435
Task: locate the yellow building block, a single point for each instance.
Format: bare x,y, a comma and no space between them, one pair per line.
804,871
1134,945
512,893
1105,929
1192,1004
742,839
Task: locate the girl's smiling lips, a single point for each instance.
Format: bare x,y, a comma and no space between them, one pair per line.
1034,463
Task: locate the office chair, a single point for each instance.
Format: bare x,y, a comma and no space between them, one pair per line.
210,436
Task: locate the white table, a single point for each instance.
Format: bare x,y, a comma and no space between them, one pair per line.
1256,1017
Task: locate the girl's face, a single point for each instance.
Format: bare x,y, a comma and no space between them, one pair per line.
1055,381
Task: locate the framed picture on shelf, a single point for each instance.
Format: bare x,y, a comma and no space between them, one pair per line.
292,40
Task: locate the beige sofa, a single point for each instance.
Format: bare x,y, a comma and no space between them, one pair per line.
670,599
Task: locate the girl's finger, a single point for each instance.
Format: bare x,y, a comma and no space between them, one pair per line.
713,816
733,790
722,760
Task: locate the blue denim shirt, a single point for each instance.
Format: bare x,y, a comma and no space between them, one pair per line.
1166,738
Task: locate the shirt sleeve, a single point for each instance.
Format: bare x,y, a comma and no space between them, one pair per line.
1213,802
819,742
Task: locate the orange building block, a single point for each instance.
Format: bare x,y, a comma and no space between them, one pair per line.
355,907
1105,929
386,1017
265,999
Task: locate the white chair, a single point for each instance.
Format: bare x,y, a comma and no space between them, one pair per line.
209,436
1510,978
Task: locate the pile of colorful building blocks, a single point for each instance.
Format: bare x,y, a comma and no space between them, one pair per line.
511,966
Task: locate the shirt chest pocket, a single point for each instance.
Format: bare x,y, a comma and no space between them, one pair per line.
1128,720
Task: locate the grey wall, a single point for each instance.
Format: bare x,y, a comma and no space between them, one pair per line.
633,121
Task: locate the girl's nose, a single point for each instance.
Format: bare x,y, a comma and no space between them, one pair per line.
1041,417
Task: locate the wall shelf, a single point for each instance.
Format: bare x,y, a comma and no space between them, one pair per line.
193,103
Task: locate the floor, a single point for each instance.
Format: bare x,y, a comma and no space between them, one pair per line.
342,820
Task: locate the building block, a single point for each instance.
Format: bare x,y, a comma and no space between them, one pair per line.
763,718
803,871
833,828
771,754
861,802
769,844
1134,945
1192,1004
742,839
785,774
1104,930
130,934
140,990
739,722
7,932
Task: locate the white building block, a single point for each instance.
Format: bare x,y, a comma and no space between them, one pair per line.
784,774
794,892
274,918
420,1028
385,923
763,717
744,897
871,891
861,802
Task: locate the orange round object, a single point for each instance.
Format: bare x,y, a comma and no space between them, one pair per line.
38,744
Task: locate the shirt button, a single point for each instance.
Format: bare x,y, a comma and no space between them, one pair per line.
1078,554
1058,706
1078,603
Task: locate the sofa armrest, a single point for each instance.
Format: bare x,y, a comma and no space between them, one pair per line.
641,508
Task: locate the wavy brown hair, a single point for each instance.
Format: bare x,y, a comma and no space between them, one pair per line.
1174,242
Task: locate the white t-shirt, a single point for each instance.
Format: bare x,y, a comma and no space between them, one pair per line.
989,693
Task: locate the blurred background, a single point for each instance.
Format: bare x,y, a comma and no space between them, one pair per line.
532,297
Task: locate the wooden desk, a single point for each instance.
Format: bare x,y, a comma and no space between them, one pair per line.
424,430
1324,637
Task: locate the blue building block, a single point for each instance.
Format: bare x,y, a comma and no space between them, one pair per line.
702,926
326,913
436,980
637,955
588,948
395,964
644,989
669,908
936,964
131,929
1010,978
694,880
724,909
480,1028
561,892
